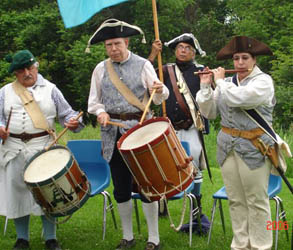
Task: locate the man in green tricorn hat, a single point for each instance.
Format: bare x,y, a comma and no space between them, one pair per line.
28,108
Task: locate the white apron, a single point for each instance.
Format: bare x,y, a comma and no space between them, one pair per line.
15,198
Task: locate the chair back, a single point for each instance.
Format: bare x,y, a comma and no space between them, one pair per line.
185,145
275,185
88,154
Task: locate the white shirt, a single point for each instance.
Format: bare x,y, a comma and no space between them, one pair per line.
258,91
148,77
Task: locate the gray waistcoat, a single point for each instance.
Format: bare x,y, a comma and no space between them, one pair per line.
235,118
130,74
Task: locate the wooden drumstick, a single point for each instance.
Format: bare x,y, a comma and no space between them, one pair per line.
147,106
62,132
7,124
116,124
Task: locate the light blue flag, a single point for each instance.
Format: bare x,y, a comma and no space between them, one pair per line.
76,12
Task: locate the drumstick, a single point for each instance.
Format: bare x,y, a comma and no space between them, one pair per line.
116,124
7,124
62,132
147,107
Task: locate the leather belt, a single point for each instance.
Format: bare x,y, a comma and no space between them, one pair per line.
127,116
183,124
26,137
246,134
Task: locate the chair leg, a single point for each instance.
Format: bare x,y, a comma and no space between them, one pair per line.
277,220
137,215
5,226
107,199
111,208
282,215
222,216
190,218
212,219
193,211
104,214
191,198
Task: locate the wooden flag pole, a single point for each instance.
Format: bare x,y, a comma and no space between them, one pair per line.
157,36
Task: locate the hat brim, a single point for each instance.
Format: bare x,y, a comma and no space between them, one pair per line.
243,44
186,38
113,32
176,42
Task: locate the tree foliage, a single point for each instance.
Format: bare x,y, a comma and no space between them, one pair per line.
37,26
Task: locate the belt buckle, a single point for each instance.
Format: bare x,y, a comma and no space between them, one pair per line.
25,137
123,116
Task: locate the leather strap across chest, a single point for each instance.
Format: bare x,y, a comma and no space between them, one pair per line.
178,96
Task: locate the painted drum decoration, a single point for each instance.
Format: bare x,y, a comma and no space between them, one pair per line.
57,183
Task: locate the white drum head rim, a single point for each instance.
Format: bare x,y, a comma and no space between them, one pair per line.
47,165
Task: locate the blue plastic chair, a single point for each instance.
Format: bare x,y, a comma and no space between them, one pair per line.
191,197
88,154
274,188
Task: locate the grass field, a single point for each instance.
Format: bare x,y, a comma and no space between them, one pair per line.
84,229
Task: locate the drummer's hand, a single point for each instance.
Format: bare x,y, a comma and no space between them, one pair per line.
72,124
206,78
103,118
4,133
158,86
219,73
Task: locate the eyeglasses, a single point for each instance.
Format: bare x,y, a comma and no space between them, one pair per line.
186,48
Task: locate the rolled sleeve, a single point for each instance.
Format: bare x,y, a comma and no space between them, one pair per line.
149,76
64,110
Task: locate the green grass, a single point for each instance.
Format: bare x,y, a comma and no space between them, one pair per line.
84,229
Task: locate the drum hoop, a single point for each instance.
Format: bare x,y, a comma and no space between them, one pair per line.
138,126
57,175
171,192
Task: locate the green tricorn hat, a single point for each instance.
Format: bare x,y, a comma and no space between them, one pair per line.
20,60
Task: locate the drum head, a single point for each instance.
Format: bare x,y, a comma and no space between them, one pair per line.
144,135
46,165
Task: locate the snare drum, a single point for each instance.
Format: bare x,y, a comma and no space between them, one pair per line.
156,159
57,183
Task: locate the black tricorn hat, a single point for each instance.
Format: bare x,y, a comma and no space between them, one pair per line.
246,44
185,38
113,28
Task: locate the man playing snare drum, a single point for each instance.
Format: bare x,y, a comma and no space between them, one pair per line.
28,108
106,102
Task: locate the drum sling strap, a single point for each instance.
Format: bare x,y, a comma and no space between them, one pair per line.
31,106
272,152
193,113
124,90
